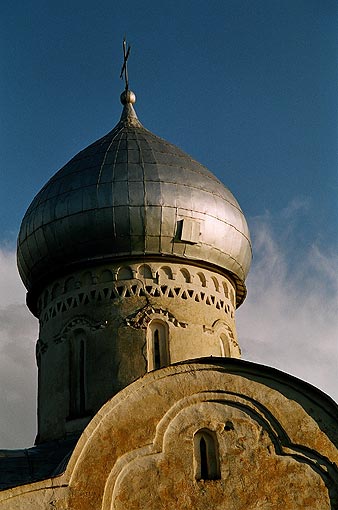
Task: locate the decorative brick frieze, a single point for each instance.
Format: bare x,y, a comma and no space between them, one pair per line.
123,282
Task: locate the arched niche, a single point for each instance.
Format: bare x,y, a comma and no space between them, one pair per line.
45,298
106,276
87,279
202,279
185,275
125,273
165,273
70,284
232,297
56,290
224,345
77,373
206,456
225,289
224,335
215,282
144,272
157,344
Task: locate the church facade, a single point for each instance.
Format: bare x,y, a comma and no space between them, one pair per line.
134,257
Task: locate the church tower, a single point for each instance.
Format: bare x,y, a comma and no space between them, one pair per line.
135,258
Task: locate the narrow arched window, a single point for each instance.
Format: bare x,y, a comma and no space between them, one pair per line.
158,348
77,375
157,352
206,455
224,345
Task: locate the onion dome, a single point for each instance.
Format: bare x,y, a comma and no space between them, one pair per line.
128,195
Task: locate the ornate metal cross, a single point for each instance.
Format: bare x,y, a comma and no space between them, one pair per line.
124,69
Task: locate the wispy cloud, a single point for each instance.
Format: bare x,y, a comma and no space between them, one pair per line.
18,334
290,319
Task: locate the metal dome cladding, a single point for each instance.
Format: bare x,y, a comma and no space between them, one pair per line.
128,195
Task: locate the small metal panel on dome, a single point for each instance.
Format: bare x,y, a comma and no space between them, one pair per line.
125,195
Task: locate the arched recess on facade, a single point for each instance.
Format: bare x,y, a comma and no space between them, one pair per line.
77,373
56,291
225,289
202,279
70,284
228,345
164,273
124,273
77,336
185,275
144,272
106,276
215,282
158,354
232,297
224,343
206,455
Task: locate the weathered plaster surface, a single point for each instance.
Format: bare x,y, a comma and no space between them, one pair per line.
112,305
279,453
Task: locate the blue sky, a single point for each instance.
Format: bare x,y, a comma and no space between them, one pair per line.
247,87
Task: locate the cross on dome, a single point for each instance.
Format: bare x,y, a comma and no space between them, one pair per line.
124,70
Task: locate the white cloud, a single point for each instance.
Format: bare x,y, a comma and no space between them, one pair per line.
12,290
18,334
290,320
